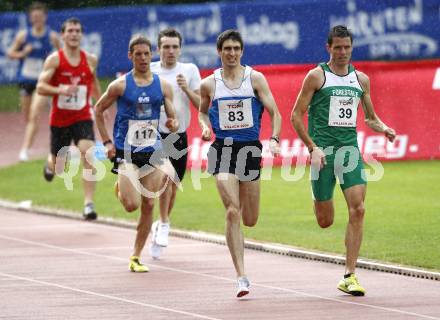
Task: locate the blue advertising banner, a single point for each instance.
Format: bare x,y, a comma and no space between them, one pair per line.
279,32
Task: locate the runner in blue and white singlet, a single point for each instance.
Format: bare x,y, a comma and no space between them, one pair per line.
32,65
235,112
137,117
144,172
232,101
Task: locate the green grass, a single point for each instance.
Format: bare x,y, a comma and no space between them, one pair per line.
402,222
9,96
9,100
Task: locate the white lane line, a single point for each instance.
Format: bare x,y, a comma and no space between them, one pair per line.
43,226
107,296
129,248
41,244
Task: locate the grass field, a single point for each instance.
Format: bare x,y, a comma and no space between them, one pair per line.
402,221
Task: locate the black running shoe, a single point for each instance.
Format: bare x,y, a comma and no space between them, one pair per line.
47,173
89,212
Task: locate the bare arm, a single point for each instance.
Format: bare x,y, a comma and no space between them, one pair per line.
206,90
44,87
193,95
114,90
311,83
260,84
96,88
172,124
371,118
55,40
16,51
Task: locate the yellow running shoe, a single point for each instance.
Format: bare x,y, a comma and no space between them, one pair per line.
136,266
351,286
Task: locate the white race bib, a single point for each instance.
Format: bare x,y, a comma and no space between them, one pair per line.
73,102
235,114
142,133
32,68
343,111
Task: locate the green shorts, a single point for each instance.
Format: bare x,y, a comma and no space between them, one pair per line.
345,164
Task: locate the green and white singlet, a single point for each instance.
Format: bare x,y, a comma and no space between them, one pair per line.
333,109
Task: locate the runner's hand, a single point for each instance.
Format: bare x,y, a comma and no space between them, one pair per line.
206,134
274,147
172,124
317,158
390,134
181,82
110,150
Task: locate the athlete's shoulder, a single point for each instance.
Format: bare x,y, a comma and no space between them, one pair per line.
363,78
189,65
208,82
53,60
117,86
155,66
92,59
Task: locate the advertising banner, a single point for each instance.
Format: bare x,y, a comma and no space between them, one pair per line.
276,32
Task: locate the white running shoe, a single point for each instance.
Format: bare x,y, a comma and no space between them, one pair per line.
154,231
23,155
155,250
161,239
243,286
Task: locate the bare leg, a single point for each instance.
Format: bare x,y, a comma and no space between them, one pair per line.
152,183
229,193
37,105
144,225
324,212
250,202
355,197
25,104
166,202
88,185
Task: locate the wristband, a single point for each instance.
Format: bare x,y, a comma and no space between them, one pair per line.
275,138
107,142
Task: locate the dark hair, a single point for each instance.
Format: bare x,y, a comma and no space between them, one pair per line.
138,39
171,33
229,34
37,6
339,31
72,20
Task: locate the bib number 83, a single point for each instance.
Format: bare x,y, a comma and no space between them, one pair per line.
235,116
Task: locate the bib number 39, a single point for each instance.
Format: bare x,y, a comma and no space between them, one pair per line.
343,111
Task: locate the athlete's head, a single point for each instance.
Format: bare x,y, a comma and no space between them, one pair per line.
229,35
37,13
339,31
340,45
169,42
230,48
139,52
71,32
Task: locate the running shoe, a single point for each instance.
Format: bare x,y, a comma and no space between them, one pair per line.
161,234
155,250
47,173
136,266
243,286
351,286
89,212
